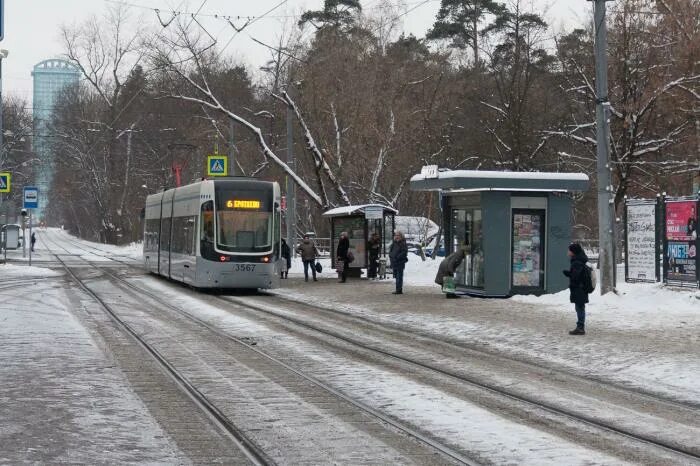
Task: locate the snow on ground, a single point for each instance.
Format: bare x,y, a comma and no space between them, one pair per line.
63,400
637,304
33,324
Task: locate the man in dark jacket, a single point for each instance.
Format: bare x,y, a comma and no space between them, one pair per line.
308,252
398,255
578,294
341,256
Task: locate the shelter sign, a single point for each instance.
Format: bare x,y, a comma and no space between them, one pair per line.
5,182
374,213
217,165
31,197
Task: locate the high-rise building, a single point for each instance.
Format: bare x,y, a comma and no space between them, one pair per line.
51,77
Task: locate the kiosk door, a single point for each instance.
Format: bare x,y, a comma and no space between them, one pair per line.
527,259
466,232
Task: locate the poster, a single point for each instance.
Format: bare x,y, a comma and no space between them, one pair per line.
681,236
527,250
641,242
681,261
681,220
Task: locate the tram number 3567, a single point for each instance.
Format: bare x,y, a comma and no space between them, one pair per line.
244,268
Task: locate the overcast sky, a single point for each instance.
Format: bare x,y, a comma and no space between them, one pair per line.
31,26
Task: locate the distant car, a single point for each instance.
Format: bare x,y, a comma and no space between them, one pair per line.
440,251
414,247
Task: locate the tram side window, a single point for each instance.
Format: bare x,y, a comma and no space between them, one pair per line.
207,229
165,234
151,236
183,235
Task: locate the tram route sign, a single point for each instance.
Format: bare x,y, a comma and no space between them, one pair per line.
5,182
31,197
217,165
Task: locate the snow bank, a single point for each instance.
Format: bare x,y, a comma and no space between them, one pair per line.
22,271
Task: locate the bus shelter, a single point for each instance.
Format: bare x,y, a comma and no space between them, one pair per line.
514,226
360,222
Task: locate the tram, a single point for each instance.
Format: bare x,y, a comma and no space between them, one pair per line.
220,233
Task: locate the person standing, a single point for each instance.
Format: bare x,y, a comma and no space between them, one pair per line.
373,247
287,256
33,240
341,256
398,255
578,294
308,252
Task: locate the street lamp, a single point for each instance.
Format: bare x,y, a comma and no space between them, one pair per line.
3,54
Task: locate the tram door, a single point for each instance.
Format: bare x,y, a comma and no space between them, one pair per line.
466,233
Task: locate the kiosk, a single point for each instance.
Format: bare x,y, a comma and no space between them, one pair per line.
360,221
515,226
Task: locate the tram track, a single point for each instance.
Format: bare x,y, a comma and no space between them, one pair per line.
553,369
669,446
255,454
419,437
691,452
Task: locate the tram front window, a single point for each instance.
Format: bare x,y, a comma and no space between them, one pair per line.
244,231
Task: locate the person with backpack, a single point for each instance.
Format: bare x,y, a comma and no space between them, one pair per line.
580,285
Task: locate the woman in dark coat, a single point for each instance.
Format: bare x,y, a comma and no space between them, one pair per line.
398,255
373,247
578,294
287,255
341,255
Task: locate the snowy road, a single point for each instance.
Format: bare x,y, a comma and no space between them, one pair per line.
501,343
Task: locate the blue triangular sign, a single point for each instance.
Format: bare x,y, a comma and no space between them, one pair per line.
217,167
3,182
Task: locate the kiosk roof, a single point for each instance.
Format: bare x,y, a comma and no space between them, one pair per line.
502,181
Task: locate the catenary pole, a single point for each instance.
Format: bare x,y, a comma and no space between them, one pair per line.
231,155
606,206
291,188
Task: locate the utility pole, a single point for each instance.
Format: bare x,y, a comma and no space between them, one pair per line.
231,155
291,188
606,205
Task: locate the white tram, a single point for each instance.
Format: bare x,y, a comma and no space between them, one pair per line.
222,233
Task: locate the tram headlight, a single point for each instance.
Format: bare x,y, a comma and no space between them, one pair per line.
266,259
222,258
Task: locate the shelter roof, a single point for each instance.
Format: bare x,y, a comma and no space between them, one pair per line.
356,210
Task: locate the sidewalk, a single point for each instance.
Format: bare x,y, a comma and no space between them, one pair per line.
62,400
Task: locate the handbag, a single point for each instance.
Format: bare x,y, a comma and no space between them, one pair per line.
350,256
448,284
318,267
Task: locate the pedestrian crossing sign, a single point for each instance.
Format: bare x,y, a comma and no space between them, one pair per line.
217,165
5,182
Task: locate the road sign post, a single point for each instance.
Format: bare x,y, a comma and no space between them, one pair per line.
217,165
31,201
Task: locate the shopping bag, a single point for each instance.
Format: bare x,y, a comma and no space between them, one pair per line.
339,265
318,267
448,284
